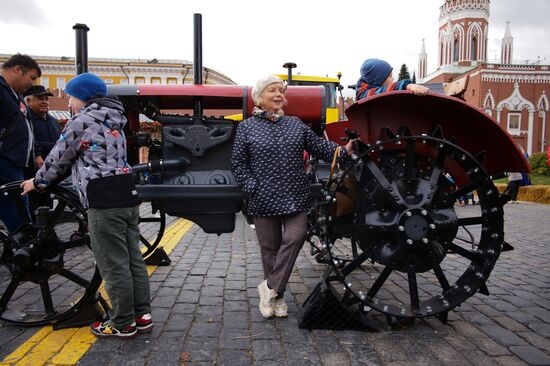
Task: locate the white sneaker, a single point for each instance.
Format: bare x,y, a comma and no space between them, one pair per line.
280,309
267,299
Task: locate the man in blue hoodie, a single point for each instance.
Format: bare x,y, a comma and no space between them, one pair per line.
16,137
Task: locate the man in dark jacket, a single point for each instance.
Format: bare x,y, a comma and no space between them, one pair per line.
16,137
45,127
46,132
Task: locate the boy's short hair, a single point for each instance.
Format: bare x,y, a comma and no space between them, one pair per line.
25,61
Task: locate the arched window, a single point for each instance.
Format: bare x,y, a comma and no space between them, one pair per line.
473,48
456,48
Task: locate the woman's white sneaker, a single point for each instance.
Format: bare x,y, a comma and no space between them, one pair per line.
267,299
280,309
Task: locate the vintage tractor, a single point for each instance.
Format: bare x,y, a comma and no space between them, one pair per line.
403,249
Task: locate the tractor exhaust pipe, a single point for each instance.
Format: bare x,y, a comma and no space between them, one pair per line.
81,59
197,60
289,66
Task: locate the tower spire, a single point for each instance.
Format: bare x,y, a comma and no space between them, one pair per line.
422,62
507,46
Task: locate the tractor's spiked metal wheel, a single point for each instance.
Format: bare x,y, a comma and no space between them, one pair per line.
152,223
405,221
47,268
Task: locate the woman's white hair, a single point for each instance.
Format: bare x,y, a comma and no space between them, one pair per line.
262,84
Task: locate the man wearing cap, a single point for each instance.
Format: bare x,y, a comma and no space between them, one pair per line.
46,128
46,132
17,74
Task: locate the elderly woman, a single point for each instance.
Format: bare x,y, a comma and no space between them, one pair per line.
267,161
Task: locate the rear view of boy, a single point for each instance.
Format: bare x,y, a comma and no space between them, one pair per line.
93,146
376,77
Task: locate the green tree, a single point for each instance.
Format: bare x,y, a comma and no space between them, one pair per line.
404,73
414,78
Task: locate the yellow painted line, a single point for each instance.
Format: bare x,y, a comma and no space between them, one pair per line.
68,346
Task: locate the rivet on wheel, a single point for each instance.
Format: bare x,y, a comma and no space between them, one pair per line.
408,213
401,228
494,236
424,212
409,241
425,240
432,226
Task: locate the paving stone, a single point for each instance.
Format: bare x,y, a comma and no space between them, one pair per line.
535,340
179,322
263,349
235,295
503,336
168,291
205,330
479,358
531,355
164,358
509,361
459,342
209,310
234,358
211,300
188,297
183,308
510,324
334,359
94,358
540,328
201,349
139,347
265,330
213,291
163,302
122,359
490,347
235,339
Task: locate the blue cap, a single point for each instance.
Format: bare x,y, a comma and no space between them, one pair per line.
375,71
86,87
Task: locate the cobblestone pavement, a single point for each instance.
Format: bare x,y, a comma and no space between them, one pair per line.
205,312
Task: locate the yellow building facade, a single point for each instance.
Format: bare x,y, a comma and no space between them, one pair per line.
57,71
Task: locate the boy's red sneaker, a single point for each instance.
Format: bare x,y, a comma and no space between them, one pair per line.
144,323
106,329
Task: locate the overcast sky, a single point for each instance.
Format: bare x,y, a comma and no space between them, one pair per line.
249,39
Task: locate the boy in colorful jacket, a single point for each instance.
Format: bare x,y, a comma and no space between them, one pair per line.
376,77
93,147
